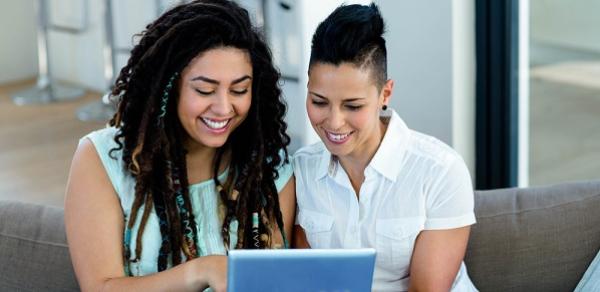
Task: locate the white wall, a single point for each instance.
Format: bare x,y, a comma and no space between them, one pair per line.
18,55
572,24
419,40
431,59
463,80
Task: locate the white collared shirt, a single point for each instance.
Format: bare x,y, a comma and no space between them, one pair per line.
414,182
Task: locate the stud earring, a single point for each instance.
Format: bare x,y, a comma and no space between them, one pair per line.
384,107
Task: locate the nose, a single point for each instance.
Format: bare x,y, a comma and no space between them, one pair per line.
222,105
336,119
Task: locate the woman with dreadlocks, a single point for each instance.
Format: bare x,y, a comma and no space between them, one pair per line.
193,159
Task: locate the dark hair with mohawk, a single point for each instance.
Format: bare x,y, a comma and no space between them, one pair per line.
353,34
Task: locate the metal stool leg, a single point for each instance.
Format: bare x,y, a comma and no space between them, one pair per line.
46,90
104,109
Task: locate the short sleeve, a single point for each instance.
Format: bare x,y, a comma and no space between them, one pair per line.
285,171
449,200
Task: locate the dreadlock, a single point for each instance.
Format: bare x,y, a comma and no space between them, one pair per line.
152,138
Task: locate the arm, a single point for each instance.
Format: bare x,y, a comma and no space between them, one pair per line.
300,240
440,248
94,224
287,203
436,258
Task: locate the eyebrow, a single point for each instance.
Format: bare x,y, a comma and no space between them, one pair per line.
345,100
213,81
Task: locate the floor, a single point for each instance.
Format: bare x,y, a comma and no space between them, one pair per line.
36,146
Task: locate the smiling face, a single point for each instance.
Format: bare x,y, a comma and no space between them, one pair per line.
215,95
343,106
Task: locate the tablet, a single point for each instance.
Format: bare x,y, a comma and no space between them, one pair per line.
341,270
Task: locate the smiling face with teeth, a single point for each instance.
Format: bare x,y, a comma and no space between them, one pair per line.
215,93
343,105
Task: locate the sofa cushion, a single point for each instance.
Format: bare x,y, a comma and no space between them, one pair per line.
33,252
534,239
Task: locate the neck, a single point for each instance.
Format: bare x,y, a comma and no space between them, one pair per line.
356,162
200,161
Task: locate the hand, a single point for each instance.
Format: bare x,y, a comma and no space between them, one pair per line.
215,272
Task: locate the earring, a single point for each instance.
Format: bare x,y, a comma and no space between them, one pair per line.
384,107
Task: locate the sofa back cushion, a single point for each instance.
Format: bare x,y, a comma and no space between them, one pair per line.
33,252
534,239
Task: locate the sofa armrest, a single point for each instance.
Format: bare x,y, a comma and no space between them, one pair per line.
534,239
33,252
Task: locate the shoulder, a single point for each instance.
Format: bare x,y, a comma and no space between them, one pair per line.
88,171
102,142
309,162
446,177
284,171
309,154
432,152
103,138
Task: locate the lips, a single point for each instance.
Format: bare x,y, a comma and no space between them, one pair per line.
338,138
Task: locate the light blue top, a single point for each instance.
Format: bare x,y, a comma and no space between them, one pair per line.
204,201
591,279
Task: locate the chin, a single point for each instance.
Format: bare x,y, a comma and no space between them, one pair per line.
337,150
215,144
211,143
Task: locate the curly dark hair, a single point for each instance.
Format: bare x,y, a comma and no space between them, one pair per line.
154,153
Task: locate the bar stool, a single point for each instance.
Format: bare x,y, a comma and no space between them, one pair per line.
47,90
105,108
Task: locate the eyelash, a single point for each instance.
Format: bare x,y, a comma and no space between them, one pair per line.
241,92
354,107
234,92
204,92
349,107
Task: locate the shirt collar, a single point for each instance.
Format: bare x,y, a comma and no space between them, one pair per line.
386,159
392,149
327,163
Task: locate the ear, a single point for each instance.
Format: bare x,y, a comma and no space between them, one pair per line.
386,92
